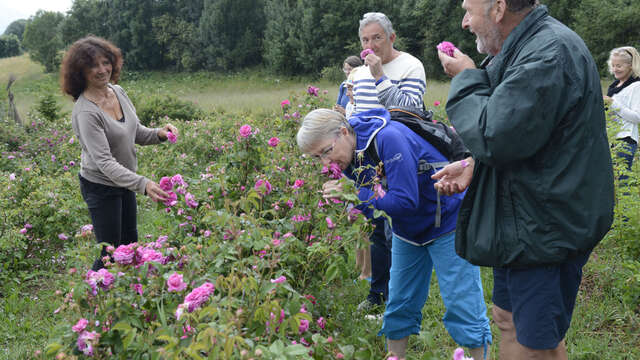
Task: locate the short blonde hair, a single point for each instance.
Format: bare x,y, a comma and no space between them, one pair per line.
320,124
630,55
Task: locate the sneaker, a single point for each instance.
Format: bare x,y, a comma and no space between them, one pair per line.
368,306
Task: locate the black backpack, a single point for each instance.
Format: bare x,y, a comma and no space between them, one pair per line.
438,134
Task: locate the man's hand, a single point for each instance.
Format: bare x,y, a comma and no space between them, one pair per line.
375,66
331,187
454,65
154,191
454,178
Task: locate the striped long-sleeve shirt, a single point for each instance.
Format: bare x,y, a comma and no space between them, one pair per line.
405,85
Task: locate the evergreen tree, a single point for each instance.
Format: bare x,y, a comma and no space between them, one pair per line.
9,46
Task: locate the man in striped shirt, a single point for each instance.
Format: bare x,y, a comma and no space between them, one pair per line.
389,77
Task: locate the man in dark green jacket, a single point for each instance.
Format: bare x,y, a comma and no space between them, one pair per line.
540,182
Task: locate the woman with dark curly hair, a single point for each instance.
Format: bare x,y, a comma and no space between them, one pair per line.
105,122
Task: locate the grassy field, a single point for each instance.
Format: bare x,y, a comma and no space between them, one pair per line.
247,91
603,326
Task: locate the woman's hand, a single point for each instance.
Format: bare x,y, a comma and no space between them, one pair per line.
162,133
330,188
339,109
455,177
154,191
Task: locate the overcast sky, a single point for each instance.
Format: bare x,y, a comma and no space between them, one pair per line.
11,10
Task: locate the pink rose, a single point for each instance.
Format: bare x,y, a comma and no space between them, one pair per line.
379,191
284,103
304,325
137,288
172,137
330,223
80,325
172,200
63,237
447,48
312,90
365,52
436,103
86,342
274,141
458,354
178,180
321,323
198,296
279,280
245,130
124,254
175,283
298,183
190,200
165,183
262,184
145,255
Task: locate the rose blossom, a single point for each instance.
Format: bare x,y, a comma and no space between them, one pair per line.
304,325
279,280
260,184
124,254
365,52
298,183
86,342
165,183
312,90
175,283
80,325
172,137
284,103
447,48
245,130
198,296
274,141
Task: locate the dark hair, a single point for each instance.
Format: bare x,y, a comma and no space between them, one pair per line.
81,55
353,61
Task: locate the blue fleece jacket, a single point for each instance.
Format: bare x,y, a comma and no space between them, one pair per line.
343,98
410,200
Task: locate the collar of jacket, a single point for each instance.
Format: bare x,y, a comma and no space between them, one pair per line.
529,25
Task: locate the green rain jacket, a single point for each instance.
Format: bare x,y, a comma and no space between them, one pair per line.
533,118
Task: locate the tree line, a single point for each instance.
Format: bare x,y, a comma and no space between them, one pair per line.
291,37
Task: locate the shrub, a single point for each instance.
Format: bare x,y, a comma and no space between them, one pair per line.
49,108
158,107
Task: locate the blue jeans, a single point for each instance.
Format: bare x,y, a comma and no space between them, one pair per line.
113,215
630,147
411,267
380,261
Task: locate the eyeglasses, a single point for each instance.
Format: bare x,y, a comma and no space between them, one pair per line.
327,151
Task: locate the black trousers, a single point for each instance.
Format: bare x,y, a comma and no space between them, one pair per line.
113,215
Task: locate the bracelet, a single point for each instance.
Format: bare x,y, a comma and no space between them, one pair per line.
464,163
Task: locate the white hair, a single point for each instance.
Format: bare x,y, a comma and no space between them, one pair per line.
378,18
320,124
